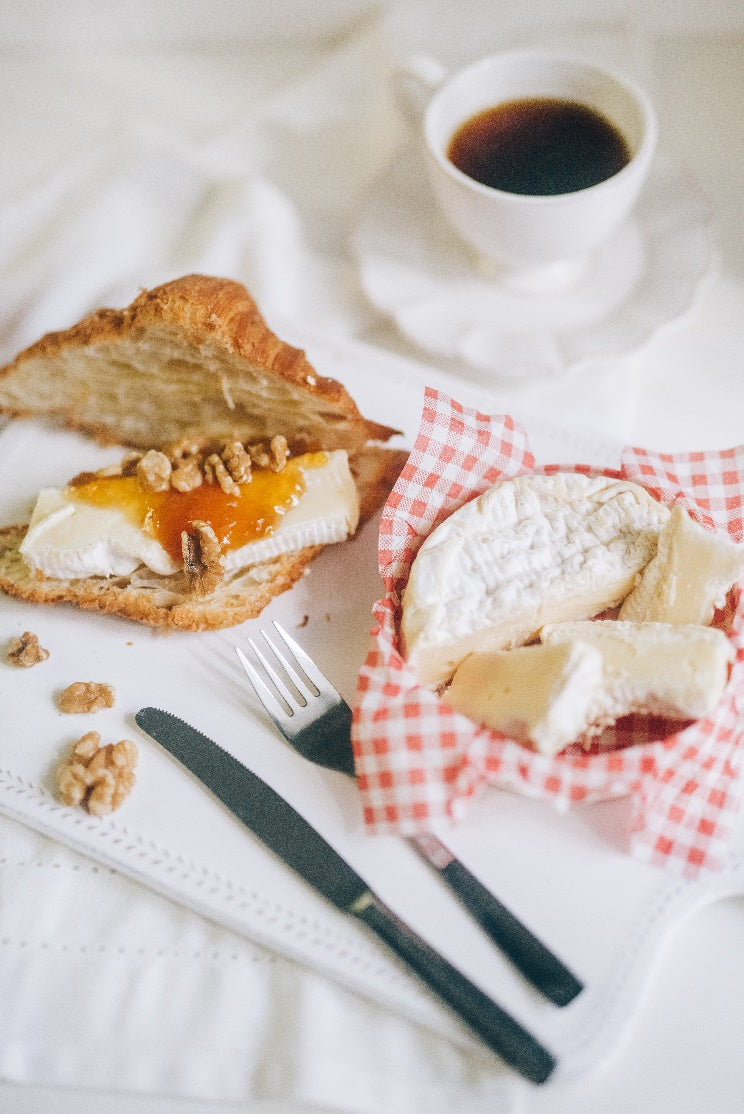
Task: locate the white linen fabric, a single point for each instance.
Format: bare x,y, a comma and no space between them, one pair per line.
106,986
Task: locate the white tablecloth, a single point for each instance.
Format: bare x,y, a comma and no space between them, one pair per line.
129,160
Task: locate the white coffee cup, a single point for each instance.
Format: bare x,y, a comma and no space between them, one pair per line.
529,241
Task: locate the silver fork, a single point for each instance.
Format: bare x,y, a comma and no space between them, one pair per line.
316,721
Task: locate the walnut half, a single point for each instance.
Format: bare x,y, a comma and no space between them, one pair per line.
97,777
85,696
203,558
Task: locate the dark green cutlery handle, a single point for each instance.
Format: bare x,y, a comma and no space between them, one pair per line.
501,1032
537,963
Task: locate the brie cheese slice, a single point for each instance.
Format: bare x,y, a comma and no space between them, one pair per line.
688,578
69,538
674,670
532,550
544,695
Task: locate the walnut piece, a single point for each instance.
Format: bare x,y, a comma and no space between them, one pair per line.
81,478
85,696
186,474
129,463
97,777
26,651
154,471
237,461
187,463
215,471
271,455
203,558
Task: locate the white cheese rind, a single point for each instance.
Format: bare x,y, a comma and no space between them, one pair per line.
69,539
688,578
544,695
528,551
674,670
328,512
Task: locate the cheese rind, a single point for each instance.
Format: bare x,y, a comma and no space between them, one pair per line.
539,694
69,539
529,551
688,578
678,671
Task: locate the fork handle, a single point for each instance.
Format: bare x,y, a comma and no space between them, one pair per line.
529,955
540,966
501,1032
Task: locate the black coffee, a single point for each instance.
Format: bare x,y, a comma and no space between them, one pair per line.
539,146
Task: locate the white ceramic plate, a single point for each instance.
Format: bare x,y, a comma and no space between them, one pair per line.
415,269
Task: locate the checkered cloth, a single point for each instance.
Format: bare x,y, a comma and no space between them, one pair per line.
418,761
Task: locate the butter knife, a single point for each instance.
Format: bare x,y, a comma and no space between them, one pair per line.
293,840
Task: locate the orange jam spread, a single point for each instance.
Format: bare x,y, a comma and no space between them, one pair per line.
253,513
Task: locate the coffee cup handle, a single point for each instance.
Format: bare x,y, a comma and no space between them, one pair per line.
414,80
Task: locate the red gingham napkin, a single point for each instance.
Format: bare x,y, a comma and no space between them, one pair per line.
418,761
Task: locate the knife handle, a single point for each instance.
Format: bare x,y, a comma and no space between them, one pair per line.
501,1032
538,964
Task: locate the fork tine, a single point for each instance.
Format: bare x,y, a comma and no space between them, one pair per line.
276,705
306,663
292,667
290,687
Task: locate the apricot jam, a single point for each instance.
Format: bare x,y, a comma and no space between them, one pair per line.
251,514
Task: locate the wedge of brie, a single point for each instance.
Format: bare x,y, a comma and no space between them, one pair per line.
688,578
70,538
674,670
544,695
532,550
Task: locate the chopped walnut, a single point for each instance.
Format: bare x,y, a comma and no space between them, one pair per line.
154,471
183,448
216,472
130,462
186,474
203,558
185,464
271,455
26,651
83,478
85,696
279,452
97,777
110,470
237,461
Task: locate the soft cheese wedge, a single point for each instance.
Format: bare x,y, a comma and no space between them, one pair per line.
688,578
674,670
109,527
532,550
544,695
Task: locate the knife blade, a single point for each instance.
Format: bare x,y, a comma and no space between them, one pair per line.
302,848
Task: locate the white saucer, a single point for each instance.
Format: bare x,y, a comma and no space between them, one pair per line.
416,270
